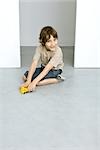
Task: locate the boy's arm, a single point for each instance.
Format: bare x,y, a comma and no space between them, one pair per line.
45,71
32,70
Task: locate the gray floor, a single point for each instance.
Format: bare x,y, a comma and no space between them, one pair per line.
63,116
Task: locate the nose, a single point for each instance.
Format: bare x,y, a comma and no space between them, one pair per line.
52,43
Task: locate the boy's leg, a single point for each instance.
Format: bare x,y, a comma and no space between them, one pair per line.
50,78
53,74
48,81
36,73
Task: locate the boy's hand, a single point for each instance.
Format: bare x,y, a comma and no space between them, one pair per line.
26,84
31,87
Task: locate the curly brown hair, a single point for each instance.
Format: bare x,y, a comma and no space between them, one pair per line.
45,34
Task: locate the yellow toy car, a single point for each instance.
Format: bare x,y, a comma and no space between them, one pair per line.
23,90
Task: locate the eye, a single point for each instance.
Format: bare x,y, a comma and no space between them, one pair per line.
49,41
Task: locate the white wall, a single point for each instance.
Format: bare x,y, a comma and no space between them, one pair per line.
9,33
87,43
34,14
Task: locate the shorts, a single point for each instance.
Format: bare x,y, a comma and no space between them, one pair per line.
51,74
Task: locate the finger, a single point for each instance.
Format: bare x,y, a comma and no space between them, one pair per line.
31,89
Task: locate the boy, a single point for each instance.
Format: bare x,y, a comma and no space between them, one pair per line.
51,57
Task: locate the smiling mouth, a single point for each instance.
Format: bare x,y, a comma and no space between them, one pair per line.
52,47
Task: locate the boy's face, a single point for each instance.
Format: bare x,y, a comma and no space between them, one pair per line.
51,43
